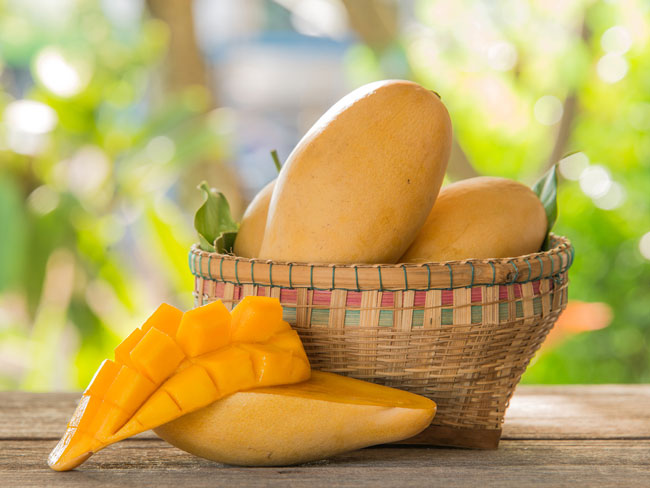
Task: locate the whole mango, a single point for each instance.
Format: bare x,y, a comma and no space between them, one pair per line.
361,182
482,217
316,419
251,229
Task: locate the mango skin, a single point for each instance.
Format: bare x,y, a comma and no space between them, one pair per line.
317,419
361,182
483,217
251,229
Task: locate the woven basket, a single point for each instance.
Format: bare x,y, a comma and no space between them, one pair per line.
460,333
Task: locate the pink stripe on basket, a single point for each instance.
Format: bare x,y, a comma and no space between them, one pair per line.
477,295
503,292
517,290
219,289
261,291
353,299
448,297
236,293
321,297
387,299
420,299
288,296
536,287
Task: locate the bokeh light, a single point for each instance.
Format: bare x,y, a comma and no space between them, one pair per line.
612,68
502,56
572,166
595,181
27,123
58,75
644,245
616,40
548,110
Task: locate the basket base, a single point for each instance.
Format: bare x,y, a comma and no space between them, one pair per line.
439,435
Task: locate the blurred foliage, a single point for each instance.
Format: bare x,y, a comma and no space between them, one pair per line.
95,221
93,231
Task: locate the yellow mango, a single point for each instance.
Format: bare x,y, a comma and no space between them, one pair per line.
282,425
123,350
230,368
157,409
482,217
166,319
256,319
204,329
107,420
155,382
289,341
129,389
361,182
191,388
270,363
156,355
252,225
103,378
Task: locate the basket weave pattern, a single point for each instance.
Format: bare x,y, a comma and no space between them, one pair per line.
460,333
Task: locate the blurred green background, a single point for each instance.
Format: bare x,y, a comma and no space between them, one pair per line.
113,111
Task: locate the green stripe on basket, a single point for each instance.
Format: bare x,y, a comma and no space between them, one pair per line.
320,316
519,309
477,314
447,316
289,314
386,318
537,306
418,318
352,317
503,312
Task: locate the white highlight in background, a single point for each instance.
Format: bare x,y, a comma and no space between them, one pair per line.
57,74
616,40
595,181
502,56
572,166
611,68
614,198
28,123
548,110
644,245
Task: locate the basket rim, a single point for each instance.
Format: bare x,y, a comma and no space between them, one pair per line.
447,275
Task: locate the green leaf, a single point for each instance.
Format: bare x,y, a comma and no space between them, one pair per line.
276,160
546,190
214,223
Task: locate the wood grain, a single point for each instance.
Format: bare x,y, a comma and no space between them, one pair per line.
151,462
553,436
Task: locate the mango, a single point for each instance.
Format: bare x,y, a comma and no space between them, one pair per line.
252,225
482,217
157,377
361,182
282,425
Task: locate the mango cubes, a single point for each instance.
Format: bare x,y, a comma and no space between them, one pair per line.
177,363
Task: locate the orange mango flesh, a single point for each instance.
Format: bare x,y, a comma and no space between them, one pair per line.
178,363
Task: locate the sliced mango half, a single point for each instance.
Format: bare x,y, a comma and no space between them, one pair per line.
177,363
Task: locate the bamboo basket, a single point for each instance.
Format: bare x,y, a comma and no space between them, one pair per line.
458,332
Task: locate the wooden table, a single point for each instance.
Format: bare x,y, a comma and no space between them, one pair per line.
554,436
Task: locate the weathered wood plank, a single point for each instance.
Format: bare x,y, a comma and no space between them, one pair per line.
536,412
579,412
517,463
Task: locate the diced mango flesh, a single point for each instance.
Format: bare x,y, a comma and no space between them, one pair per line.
166,319
123,351
178,363
156,356
204,329
103,378
256,319
230,368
